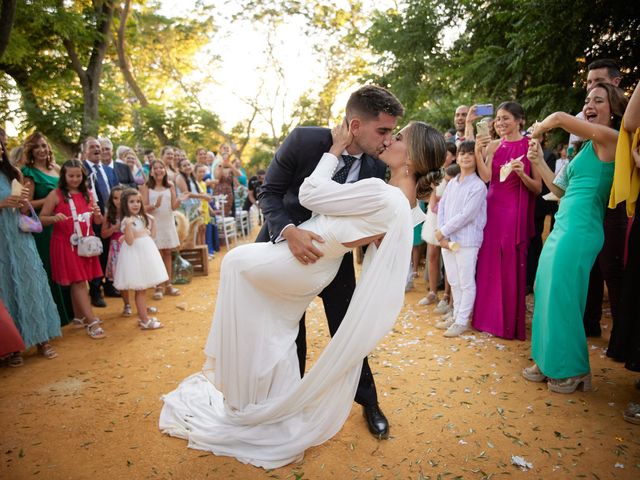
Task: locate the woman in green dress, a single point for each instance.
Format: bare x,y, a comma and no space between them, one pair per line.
559,345
41,175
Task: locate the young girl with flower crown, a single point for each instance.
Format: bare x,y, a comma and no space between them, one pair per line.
139,265
72,202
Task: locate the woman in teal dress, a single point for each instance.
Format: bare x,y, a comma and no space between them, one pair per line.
23,283
41,175
559,344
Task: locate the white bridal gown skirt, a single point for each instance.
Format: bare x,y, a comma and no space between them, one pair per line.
249,401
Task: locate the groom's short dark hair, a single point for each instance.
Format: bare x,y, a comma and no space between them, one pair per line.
371,100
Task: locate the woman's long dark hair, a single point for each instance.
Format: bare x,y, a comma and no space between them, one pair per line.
617,104
62,183
29,145
151,181
9,171
188,177
111,211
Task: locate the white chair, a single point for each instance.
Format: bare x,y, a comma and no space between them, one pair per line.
227,229
242,222
226,225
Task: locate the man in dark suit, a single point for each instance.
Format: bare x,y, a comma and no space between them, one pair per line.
372,114
123,172
104,179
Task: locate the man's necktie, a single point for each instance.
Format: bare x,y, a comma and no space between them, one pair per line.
341,175
103,189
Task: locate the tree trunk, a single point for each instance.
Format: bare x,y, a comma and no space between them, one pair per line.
91,76
7,14
125,67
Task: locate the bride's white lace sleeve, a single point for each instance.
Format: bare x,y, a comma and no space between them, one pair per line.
322,195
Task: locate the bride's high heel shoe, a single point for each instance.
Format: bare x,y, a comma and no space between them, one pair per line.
570,384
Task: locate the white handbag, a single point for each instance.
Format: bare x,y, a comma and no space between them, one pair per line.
87,245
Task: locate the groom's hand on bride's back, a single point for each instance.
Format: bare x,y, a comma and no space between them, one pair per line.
301,244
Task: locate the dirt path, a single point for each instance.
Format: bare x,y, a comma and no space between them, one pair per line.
458,408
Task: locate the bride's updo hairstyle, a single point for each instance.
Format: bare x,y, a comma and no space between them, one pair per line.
427,152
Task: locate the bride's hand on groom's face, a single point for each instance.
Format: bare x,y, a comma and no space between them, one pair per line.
342,138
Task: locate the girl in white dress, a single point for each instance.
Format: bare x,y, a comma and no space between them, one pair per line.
159,197
140,265
249,401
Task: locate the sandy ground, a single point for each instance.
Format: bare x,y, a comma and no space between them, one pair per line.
458,408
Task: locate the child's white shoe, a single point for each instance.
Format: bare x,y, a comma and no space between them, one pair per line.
456,330
152,323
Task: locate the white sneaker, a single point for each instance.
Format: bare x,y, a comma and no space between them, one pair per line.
429,299
456,330
442,307
445,323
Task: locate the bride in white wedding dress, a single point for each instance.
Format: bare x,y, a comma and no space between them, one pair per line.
249,401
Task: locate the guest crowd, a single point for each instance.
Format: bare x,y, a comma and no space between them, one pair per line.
484,222
489,222
101,227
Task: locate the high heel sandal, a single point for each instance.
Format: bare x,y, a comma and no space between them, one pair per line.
533,374
15,360
47,351
570,384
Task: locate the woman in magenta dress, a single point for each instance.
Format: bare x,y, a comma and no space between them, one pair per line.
502,260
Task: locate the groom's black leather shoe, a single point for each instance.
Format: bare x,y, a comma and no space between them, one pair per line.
378,423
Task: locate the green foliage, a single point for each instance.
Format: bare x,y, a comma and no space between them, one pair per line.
163,51
535,52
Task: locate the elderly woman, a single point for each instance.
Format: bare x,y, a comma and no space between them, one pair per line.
559,345
41,175
23,290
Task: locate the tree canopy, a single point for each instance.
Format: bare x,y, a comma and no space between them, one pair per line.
535,52
78,68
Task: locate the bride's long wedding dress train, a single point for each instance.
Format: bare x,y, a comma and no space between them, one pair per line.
249,401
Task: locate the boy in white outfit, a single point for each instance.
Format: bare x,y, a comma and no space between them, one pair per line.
462,214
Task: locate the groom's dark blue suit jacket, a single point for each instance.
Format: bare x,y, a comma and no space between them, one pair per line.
295,160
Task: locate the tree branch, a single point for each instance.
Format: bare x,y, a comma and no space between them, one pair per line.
125,67
75,60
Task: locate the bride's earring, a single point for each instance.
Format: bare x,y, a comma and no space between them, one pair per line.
406,169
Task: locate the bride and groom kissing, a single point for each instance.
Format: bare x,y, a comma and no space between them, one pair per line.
324,193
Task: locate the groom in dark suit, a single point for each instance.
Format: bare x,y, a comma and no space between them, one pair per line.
372,113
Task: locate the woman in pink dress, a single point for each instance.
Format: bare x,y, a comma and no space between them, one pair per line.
502,260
